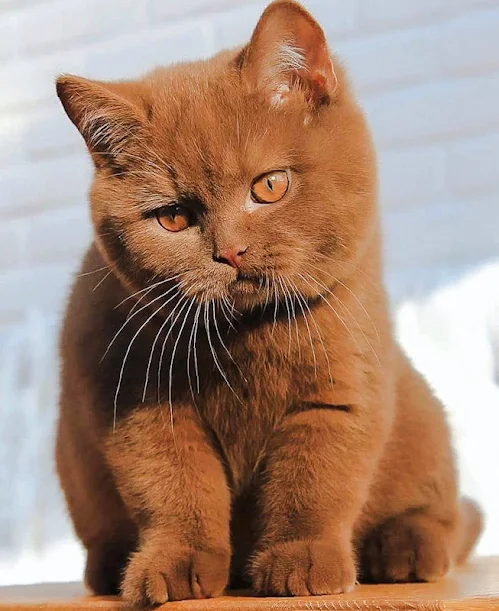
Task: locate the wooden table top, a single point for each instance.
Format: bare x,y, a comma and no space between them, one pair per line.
474,587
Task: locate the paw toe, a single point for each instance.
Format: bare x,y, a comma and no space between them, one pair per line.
303,568
154,577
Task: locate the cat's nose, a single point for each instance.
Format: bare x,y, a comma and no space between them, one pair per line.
232,255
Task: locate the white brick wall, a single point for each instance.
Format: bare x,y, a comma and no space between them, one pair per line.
382,14
427,72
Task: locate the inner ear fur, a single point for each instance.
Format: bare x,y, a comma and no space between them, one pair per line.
106,114
288,50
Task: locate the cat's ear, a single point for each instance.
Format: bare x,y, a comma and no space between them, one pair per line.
106,118
288,50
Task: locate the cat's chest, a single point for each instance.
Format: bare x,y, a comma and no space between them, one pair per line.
243,417
263,375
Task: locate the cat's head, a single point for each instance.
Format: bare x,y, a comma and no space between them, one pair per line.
241,177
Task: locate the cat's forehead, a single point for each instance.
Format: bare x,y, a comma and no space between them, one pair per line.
210,96
210,122
189,104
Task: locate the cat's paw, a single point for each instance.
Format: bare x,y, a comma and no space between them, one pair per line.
157,574
303,568
407,548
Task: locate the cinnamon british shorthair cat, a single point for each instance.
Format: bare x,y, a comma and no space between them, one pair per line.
234,408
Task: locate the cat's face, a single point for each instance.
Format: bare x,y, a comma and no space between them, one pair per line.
242,178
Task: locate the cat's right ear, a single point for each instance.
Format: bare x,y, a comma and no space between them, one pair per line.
288,51
106,119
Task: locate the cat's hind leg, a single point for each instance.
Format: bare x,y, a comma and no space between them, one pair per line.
413,546
419,546
417,528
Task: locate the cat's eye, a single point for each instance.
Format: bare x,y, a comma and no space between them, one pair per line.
270,187
174,217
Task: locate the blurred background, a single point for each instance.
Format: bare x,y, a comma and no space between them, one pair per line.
427,74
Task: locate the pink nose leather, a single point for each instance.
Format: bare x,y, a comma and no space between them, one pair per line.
231,256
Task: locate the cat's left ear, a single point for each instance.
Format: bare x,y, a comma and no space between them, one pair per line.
105,114
288,50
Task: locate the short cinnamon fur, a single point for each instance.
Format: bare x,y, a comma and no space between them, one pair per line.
262,426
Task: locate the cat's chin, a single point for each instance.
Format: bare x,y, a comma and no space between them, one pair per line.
247,293
245,286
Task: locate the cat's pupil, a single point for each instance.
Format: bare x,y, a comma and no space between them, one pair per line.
173,218
174,213
269,184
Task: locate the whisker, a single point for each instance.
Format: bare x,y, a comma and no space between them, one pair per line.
366,339
213,352
319,335
362,307
337,280
126,357
147,289
130,318
356,269
276,303
223,344
298,300
233,310
153,347
102,280
192,343
293,312
170,373
331,307
195,349
138,302
95,271
183,300
160,365
267,292
288,312
227,313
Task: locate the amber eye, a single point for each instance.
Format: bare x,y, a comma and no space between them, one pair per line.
270,187
174,218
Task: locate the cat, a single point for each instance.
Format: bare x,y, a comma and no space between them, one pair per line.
234,409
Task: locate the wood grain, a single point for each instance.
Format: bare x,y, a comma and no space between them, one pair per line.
474,587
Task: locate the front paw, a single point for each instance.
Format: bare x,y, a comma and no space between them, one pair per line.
158,573
303,568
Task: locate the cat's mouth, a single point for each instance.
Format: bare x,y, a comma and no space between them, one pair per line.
247,283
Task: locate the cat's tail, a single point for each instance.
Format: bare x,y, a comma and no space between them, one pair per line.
471,524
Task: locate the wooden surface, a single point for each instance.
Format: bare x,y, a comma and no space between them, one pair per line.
472,588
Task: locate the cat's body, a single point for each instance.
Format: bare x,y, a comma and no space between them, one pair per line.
291,435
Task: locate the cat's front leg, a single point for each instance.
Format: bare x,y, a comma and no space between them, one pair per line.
316,476
174,485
